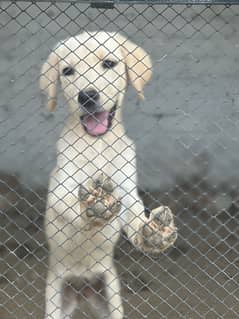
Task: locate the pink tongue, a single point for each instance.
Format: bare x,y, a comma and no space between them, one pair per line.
97,123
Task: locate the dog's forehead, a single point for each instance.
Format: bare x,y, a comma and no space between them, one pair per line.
98,44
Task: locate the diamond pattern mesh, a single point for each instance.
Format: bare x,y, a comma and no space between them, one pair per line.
186,137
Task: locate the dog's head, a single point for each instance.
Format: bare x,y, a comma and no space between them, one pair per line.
94,69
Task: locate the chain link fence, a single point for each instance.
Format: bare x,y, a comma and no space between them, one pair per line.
185,134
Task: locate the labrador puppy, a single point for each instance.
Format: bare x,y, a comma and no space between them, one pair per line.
93,188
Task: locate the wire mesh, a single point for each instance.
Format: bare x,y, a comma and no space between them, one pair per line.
185,135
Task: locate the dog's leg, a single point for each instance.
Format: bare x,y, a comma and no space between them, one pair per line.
98,202
53,296
99,306
69,301
61,300
153,234
112,289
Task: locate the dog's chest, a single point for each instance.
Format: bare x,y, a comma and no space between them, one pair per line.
89,156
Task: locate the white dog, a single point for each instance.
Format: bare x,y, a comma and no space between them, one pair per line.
93,188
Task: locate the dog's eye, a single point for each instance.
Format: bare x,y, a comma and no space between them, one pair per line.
69,70
109,64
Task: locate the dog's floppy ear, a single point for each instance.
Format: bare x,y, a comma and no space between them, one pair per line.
139,66
49,77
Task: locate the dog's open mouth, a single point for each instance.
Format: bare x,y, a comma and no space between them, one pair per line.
98,123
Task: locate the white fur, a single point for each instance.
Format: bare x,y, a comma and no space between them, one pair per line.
75,251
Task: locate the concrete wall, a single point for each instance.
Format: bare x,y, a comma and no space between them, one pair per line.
189,122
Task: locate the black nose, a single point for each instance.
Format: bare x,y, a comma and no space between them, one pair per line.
88,98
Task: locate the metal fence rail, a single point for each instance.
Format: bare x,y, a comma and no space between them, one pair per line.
149,2
186,136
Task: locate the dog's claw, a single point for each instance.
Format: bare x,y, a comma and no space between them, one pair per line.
147,231
107,214
83,193
159,233
99,202
116,207
164,216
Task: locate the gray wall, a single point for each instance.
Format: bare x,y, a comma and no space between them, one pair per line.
189,122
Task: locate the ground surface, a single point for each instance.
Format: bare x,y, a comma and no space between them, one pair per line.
197,278
186,134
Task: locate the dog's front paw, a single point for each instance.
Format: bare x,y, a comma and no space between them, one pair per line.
158,233
100,205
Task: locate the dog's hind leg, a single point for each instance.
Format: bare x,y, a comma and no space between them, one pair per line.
106,302
99,307
113,297
53,296
103,295
69,301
